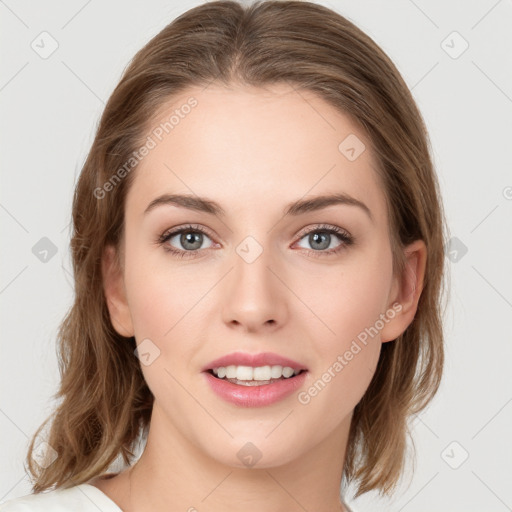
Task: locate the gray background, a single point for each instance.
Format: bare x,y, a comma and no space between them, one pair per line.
49,110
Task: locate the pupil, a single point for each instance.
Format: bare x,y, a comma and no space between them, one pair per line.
188,238
314,238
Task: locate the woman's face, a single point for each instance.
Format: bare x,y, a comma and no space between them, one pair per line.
256,278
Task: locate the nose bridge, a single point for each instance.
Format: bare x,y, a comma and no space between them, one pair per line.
255,297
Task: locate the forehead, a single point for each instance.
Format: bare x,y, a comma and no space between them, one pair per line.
244,147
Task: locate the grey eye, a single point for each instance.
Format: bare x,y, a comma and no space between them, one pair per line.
320,240
189,240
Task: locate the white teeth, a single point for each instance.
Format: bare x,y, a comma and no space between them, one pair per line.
276,372
244,372
262,373
230,372
287,371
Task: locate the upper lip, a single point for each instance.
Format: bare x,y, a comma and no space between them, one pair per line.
255,360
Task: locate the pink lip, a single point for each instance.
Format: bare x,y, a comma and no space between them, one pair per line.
254,396
262,359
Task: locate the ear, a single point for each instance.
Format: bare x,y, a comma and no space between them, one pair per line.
115,293
406,292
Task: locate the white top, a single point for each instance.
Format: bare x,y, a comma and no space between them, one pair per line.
80,498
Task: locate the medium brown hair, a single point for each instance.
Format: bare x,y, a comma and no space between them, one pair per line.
105,404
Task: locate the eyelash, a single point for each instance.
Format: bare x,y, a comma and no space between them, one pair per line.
346,239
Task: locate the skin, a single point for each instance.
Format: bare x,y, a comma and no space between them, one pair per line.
253,151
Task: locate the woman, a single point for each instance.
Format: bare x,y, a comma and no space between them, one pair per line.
258,258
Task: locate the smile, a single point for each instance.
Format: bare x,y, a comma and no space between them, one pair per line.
254,376
251,392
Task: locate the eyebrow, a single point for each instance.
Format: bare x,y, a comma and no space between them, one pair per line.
201,204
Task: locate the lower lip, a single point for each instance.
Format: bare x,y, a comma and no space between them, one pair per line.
255,396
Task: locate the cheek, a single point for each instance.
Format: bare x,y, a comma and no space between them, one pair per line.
167,306
161,295
351,305
161,301
348,352
349,297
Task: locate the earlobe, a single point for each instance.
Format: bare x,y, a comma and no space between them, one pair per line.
115,294
406,291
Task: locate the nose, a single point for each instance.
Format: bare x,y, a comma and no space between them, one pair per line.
255,298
